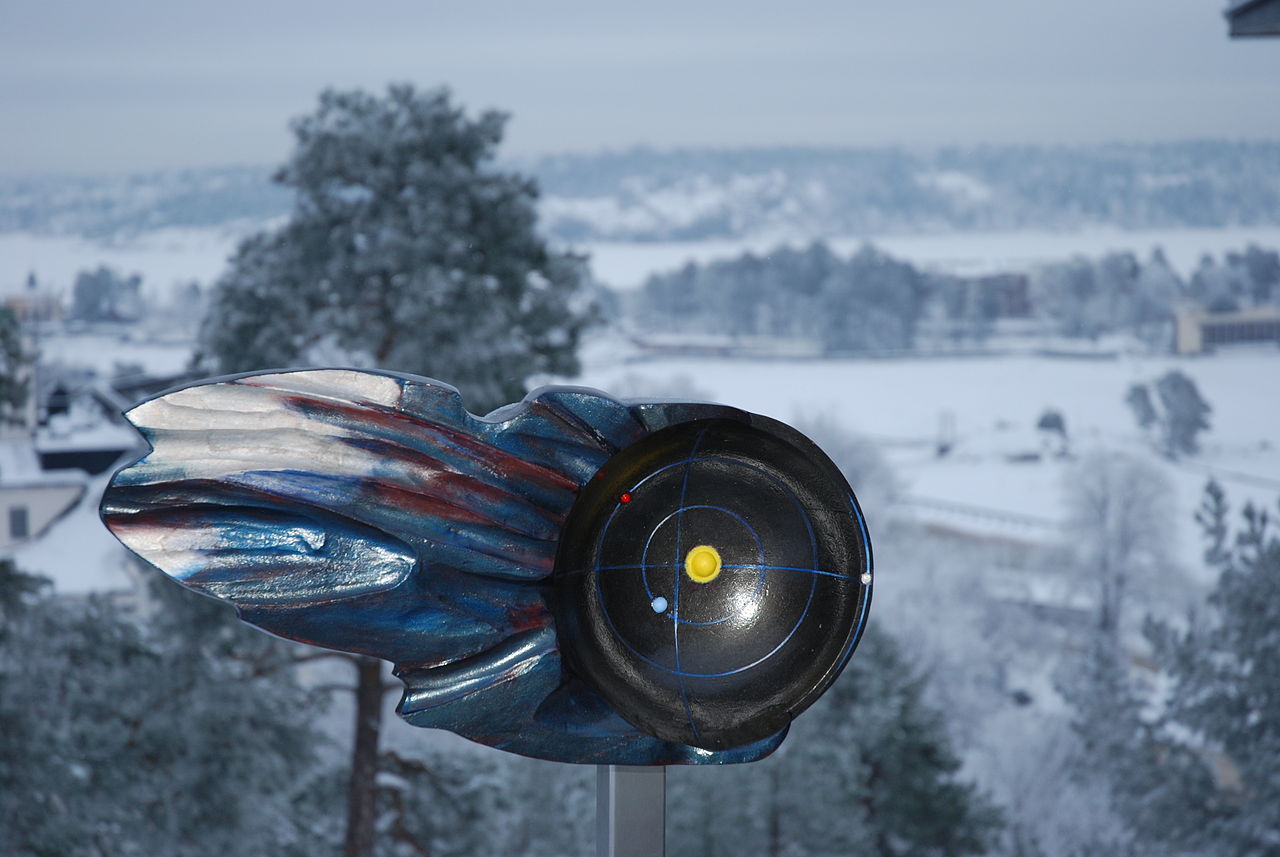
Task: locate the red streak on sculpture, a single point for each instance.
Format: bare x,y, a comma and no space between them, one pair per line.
490,457
527,616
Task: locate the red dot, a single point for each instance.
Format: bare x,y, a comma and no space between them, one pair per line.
625,498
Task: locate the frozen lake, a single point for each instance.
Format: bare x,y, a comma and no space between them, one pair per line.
168,257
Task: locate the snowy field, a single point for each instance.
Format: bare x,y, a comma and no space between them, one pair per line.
165,258
102,351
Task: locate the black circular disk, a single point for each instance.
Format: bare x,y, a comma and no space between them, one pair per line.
712,579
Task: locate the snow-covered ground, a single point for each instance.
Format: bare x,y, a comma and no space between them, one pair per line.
165,258
78,553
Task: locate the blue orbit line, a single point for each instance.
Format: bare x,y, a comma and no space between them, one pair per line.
645,566
813,548
745,566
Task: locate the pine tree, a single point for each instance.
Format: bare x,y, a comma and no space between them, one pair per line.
106,295
1139,401
15,369
407,250
1156,293
1200,775
175,736
1186,413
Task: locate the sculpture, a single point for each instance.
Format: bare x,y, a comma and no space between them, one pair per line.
572,577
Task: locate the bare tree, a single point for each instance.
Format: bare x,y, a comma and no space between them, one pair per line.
1119,518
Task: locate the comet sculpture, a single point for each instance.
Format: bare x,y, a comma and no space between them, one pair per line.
571,577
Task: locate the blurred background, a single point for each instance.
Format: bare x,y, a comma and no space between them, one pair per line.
1014,266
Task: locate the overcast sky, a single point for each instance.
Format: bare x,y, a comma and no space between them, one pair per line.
120,85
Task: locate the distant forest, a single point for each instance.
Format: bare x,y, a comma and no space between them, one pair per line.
871,302
687,194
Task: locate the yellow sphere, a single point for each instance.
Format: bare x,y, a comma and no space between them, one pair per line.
702,563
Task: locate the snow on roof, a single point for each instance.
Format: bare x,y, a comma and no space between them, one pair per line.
78,553
63,436
19,465
85,426
18,461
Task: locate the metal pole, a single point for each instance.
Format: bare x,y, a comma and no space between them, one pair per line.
631,811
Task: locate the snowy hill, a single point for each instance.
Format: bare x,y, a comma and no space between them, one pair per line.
643,195
782,193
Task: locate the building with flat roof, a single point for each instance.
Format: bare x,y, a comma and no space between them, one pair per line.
1198,331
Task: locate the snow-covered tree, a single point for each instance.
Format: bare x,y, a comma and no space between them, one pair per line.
1069,293
873,302
105,294
1119,517
15,369
442,803
1219,287
868,302
1157,291
1193,771
407,249
1185,413
182,735
1261,269
1139,401
1181,416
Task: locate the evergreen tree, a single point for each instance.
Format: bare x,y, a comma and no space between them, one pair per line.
178,736
16,588
106,295
1185,413
443,803
1139,401
872,302
1157,291
406,249
1262,270
1199,776
15,369
1069,293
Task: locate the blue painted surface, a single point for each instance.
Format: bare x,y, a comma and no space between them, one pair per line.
418,533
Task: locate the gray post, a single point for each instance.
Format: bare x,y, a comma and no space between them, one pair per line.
631,818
